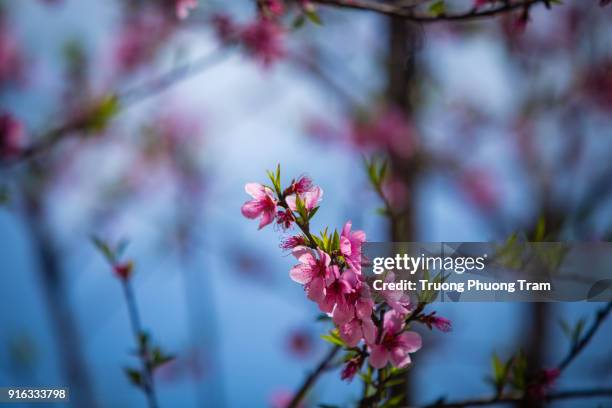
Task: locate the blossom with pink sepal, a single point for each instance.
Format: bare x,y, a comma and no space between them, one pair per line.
350,246
395,344
292,242
262,205
314,273
440,323
352,367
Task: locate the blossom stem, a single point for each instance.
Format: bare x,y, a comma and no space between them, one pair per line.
148,386
313,377
125,98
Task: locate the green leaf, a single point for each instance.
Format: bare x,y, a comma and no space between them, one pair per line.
104,249
438,8
334,338
540,231
498,368
159,358
519,371
298,22
313,17
312,213
134,376
5,195
102,113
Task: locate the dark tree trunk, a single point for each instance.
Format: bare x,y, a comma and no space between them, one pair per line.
402,47
64,326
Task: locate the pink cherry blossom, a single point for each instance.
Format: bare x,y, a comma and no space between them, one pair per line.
302,185
356,304
350,246
314,273
183,7
397,299
356,329
262,205
395,344
263,39
339,288
311,198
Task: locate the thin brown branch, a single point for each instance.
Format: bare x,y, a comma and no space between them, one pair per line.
126,98
313,377
409,14
577,348
580,345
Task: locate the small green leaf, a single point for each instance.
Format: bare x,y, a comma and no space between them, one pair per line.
313,17
334,338
134,376
159,358
101,114
104,249
438,8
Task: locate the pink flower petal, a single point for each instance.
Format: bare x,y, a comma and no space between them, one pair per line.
378,356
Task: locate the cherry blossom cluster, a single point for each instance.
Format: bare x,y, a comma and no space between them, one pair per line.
264,37
330,269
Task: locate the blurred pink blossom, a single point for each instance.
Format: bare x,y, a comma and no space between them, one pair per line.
183,7
282,399
386,128
12,62
479,186
274,7
263,38
300,343
12,136
139,38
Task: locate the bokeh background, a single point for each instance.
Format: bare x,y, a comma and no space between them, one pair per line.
492,128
